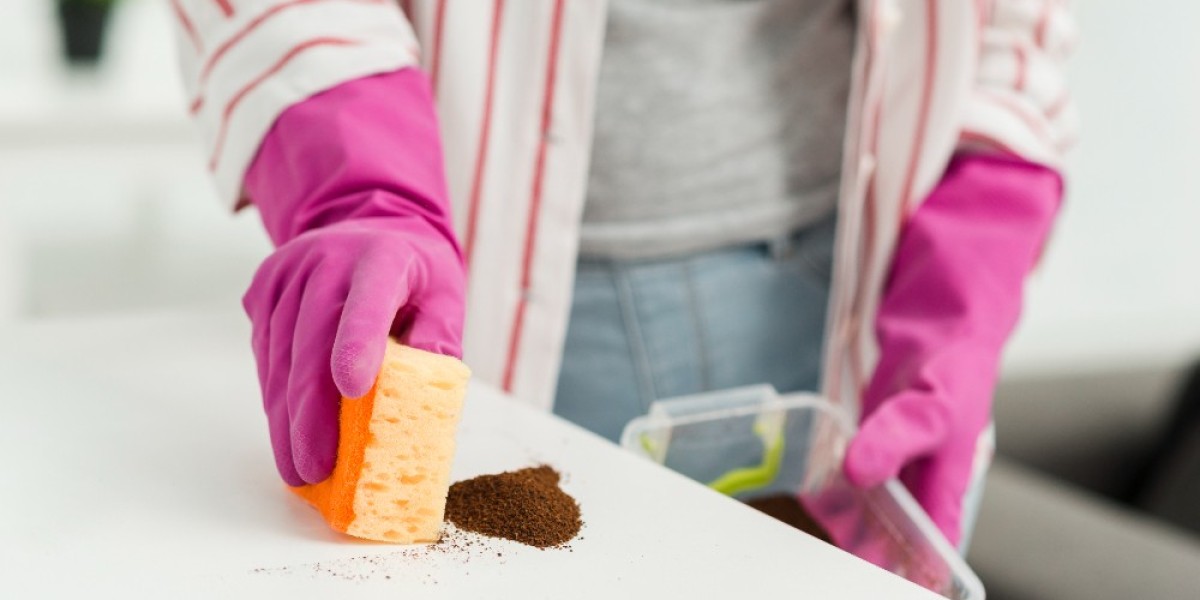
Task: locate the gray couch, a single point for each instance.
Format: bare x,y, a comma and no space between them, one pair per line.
1069,512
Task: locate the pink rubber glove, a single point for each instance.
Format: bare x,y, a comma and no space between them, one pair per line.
351,189
952,299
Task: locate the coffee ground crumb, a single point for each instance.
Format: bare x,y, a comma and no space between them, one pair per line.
525,506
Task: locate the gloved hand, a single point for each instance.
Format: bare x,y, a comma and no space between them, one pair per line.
351,188
952,299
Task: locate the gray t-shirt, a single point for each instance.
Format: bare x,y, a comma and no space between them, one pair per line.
718,122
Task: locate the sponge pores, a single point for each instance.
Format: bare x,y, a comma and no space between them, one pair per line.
395,450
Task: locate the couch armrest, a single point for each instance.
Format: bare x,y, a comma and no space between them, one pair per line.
1093,429
1040,539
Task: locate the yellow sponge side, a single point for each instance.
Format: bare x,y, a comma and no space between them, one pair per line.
393,469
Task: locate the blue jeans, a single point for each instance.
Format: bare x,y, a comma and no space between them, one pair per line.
645,330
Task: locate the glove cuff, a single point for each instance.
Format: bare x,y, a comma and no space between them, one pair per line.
367,148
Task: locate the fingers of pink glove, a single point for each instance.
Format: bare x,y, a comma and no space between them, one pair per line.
433,320
435,332
378,289
939,485
278,418
279,355
260,319
279,371
258,302
313,399
903,428
281,443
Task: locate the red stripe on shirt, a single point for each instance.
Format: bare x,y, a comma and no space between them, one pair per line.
931,51
535,202
254,83
255,23
186,24
225,6
485,132
986,10
983,139
1043,23
439,20
1022,58
1035,122
1058,105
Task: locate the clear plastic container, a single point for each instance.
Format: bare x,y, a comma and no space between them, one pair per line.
752,443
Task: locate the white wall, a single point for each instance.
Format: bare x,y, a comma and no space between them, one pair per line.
1121,282
102,183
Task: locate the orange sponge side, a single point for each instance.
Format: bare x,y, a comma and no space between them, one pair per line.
334,497
395,450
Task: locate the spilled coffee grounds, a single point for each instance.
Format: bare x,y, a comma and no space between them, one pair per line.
525,506
786,508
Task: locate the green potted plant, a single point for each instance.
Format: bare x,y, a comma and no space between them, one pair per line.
83,23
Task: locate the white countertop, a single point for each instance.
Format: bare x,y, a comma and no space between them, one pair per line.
136,463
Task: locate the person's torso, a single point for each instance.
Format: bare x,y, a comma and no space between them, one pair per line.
717,122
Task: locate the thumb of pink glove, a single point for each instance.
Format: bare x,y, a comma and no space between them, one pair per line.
952,300
350,186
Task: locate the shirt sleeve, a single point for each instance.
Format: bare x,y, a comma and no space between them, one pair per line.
243,62
1019,103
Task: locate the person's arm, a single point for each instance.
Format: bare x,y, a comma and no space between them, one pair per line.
952,299
243,62
953,295
351,188
1020,103
314,113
